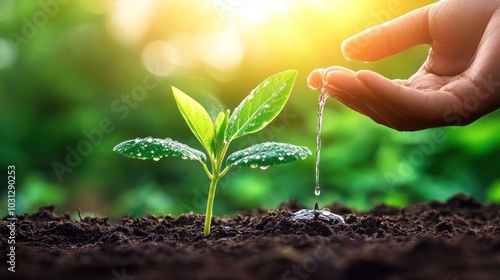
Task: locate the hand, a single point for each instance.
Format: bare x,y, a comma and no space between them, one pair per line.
457,84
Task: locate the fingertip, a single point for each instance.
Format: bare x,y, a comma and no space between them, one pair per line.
315,79
389,38
348,50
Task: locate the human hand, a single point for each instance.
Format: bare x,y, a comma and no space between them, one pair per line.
457,84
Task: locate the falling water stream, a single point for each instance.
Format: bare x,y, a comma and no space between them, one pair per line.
321,107
324,214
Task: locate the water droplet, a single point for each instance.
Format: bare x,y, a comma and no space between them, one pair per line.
317,190
139,154
137,140
168,139
264,167
149,139
303,156
254,165
257,157
281,158
156,159
184,157
245,160
152,152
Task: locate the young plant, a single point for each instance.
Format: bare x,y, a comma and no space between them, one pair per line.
254,113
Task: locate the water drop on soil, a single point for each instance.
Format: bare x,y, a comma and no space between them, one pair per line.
324,215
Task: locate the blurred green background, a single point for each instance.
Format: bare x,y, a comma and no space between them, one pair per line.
78,77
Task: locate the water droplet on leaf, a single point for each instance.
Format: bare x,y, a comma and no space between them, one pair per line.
137,140
264,167
156,159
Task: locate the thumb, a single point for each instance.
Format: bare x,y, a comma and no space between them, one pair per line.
389,38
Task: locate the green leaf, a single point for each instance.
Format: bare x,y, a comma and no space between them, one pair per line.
261,106
155,148
266,154
197,119
220,126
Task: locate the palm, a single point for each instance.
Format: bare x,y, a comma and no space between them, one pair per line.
456,84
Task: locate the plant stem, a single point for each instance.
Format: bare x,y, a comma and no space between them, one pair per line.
210,204
216,175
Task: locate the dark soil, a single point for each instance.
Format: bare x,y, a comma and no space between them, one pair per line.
457,239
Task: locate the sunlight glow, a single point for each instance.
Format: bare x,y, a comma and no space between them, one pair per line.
221,52
257,11
130,19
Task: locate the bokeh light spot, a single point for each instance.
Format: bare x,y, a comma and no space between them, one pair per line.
160,58
7,54
222,52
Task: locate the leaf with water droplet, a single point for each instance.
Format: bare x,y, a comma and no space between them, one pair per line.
267,154
261,106
197,119
154,148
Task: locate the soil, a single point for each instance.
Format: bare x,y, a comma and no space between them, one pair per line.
456,239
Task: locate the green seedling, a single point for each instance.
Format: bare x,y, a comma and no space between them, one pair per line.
253,114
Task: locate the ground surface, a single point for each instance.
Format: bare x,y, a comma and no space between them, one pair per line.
458,239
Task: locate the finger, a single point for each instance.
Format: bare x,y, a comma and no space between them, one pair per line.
315,79
349,102
389,38
347,87
424,108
